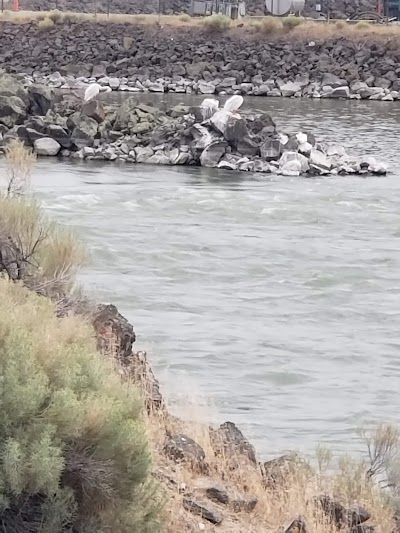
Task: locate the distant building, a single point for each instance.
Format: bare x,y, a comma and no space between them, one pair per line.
233,9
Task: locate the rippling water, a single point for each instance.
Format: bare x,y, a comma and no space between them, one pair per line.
275,300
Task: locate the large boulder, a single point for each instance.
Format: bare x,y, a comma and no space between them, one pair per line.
46,146
271,149
59,134
231,126
126,117
12,110
10,86
94,109
290,88
212,155
40,98
84,130
202,137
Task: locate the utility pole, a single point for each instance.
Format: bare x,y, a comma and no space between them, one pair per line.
108,8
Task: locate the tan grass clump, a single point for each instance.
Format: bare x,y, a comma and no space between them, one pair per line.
268,26
19,164
56,16
185,17
33,249
46,24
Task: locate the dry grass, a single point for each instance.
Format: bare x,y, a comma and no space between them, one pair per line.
268,26
46,24
289,23
33,248
277,505
217,23
19,164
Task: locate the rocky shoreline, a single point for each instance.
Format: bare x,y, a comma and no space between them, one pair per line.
190,60
331,86
205,135
210,497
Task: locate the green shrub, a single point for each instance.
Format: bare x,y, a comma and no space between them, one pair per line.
291,22
217,23
45,24
73,451
340,25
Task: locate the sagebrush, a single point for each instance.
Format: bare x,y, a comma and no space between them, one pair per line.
73,451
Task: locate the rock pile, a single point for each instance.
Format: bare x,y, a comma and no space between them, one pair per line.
331,86
137,58
337,8
138,133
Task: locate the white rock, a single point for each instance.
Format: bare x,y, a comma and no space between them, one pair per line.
319,159
87,150
340,92
206,88
291,168
114,83
143,154
226,165
288,157
104,81
46,146
290,88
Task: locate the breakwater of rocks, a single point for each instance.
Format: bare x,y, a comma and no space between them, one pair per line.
190,60
205,135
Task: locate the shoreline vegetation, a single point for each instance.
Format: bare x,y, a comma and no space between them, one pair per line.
70,384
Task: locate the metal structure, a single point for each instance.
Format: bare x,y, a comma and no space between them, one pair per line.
280,8
234,9
388,11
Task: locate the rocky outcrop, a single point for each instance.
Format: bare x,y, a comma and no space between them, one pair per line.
185,60
139,133
115,337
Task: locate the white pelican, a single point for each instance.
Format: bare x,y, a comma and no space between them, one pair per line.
233,103
93,90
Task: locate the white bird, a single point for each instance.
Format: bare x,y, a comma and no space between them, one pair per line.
210,102
233,103
209,106
283,138
302,138
93,90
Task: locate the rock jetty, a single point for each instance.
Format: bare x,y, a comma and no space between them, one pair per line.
189,60
206,135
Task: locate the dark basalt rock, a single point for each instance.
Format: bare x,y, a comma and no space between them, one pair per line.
230,441
182,448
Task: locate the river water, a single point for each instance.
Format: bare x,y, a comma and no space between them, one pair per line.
267,301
